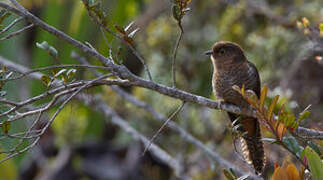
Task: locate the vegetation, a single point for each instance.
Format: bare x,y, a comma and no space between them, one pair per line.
120,89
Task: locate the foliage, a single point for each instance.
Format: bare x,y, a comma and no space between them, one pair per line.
286,172
278,126
70,126
273,46
314,162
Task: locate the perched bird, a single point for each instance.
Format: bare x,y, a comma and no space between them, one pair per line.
231,67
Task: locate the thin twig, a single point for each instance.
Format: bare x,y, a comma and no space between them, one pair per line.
113,117
11,25
17,32
174,56
54,67
162,127
173,125
130,46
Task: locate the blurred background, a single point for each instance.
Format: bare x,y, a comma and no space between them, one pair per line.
93,148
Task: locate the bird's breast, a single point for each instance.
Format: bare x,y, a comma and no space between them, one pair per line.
223,81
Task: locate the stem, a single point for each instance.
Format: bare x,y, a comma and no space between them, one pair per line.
175,54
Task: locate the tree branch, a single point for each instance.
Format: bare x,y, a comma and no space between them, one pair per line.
188,137
171,124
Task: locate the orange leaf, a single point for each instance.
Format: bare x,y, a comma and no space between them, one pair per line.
262,97
279,174
271,107
287,172
280,130
292,172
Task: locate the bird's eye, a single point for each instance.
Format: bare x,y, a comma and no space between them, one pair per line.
222,52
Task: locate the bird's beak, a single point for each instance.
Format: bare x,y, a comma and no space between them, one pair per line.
208,53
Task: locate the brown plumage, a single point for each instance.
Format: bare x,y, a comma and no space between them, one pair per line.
232,68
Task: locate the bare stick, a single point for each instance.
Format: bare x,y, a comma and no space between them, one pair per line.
162,127
174,56
17,32
11,25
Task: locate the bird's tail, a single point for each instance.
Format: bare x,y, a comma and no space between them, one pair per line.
251,144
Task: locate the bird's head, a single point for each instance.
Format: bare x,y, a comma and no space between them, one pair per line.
226,51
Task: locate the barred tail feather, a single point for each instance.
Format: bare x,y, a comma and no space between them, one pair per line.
253,152
251,145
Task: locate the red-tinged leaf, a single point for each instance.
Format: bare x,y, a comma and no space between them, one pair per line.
120,29
306,31
282,109
252,98
299,24
279,174
306,22
287,172
243,90
319,58
4,69
45,80
271,107
128,40
119,51
280,130
292,172
263,96
228,175
5,127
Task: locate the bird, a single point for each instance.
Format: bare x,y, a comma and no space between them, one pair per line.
231,67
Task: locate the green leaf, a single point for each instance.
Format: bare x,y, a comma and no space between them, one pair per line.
70,73
3,68
304,115
45,80
314,163
228,175
3,15
60,73
5,127
176,12
293,145
321,29
290,121
50,49
54,71
314,147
